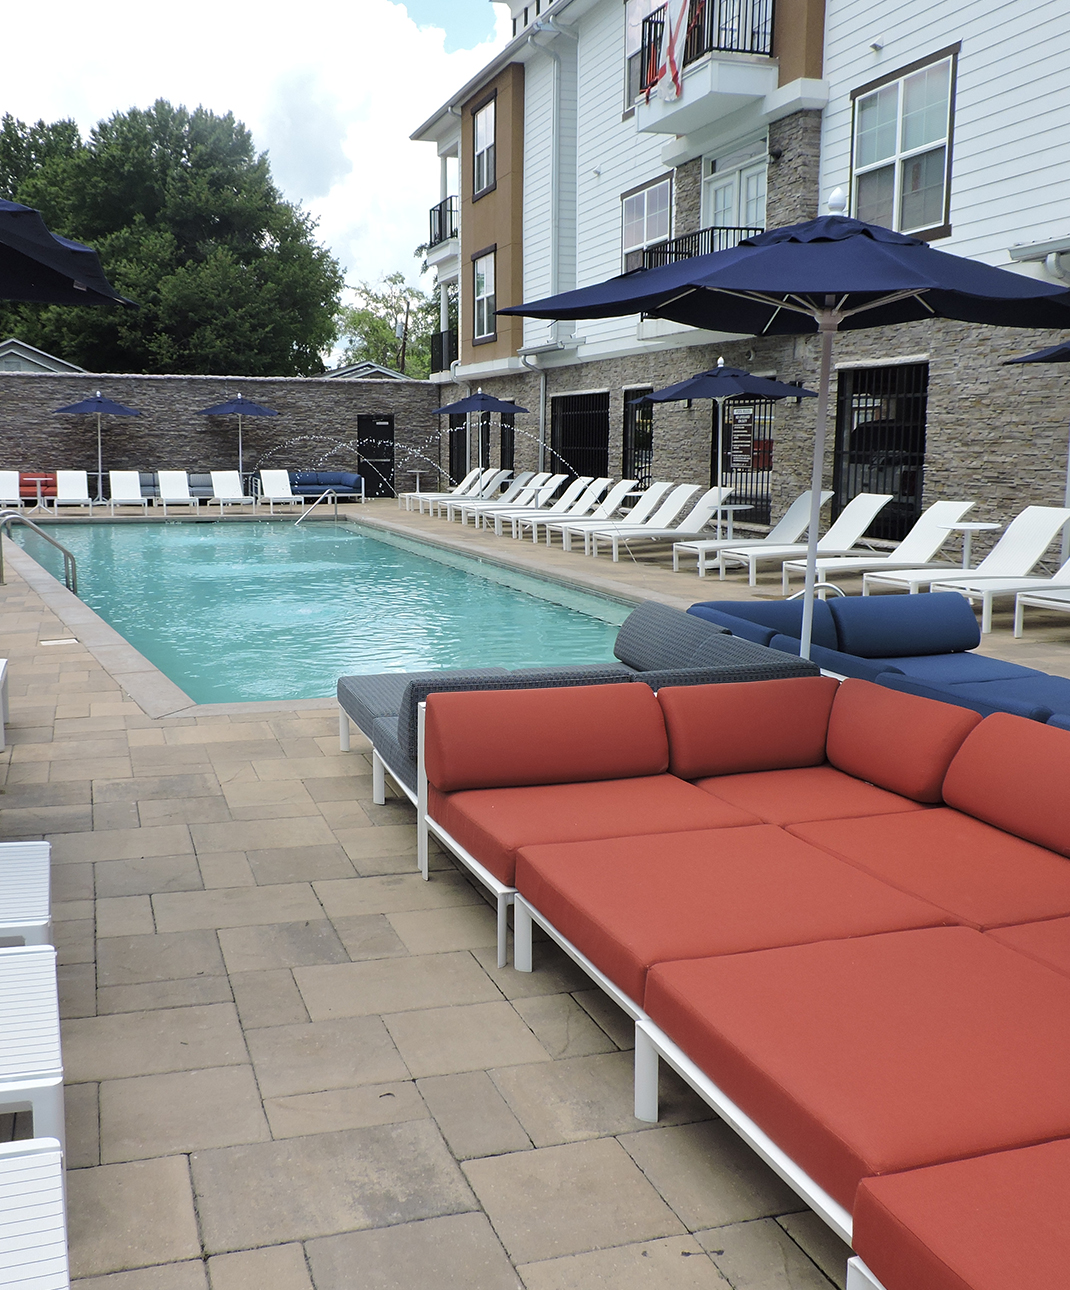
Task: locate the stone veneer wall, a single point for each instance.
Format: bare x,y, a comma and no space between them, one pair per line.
688,193
316,426
792,188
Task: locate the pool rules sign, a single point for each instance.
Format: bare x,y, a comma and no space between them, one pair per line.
741,437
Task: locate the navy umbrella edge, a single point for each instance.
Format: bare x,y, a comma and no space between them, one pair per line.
102,407
478,402
243,408
38,266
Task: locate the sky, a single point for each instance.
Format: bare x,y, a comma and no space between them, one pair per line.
331,89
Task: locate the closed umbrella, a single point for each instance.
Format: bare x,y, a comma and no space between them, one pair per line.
1053,354
243,408
829,274
102,407
39,266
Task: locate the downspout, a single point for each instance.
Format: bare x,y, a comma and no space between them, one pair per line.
535,367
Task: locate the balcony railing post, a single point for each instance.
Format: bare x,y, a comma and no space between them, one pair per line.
443,221
702,242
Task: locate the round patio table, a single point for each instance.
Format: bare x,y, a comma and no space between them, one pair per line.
968,528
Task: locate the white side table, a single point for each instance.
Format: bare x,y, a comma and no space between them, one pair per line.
968,528
731,508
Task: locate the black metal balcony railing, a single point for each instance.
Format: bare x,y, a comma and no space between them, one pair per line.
443,221
724,26
443,350
702,242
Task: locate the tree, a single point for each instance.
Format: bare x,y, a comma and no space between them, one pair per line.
188,223
392,326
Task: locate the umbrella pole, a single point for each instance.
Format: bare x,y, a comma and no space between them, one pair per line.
100,465
239,449
827,324
719,404
1066,502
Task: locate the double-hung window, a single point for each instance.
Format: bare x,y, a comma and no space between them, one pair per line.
902,150
483,167
483,297
733,189
645,220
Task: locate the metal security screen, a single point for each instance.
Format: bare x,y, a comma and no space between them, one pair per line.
747,462
484,440
579,434
375,446
507,433
880,442
458,447
638,447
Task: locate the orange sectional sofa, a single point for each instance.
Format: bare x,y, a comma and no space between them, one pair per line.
841,912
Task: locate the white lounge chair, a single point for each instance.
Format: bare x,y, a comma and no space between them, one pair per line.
72,489
668,510
420,498
471,486
789,528
487,492
1017,552
10,497
275,489
1050,597
125,489
693,522
227,490
31,1069
606,509
561,506
929,533
173,489
540,500
33,1221
541,485
5,711
986,590
25,911
843,534
649,500
583,505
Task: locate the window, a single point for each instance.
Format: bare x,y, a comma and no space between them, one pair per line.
733,188
643,25
483,172
902,147
645,219
483,296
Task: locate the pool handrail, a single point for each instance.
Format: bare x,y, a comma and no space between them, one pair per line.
70,565
327,492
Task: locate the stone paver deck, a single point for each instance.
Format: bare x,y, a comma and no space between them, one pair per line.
291,1063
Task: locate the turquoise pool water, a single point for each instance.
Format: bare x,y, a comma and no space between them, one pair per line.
237,611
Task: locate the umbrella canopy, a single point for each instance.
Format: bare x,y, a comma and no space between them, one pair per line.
828,274
39,266
478,402
1053,354
243,408
102,407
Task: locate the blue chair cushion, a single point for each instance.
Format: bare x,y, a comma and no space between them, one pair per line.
955,669
1060,719
783,616
956,694
891,626
832,660
740,627
1040,690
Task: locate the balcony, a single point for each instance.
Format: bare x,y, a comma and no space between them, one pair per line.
443,350
702,242
444,222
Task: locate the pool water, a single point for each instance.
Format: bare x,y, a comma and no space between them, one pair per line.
272,610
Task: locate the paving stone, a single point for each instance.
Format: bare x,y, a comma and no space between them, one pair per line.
344,1108
77,984
115,815
123,844
308,768
74,941
610,1016
188,810
152,1043
170,956
391,985
108,767
280,945
433,931
160,1115
72,882
130,1216
369,936
226,869
324,1184
164,994
674,1263
182,911
345,815
268,998
473,1116
298,863
82,1116
143,877
761,1256
444,1041
562,1027
820,1243
373,844
342,788
556,974
393,893
125,916
308,830
320,1055
459,1252
276,1267
33,821
570,1199
171,1276
258,793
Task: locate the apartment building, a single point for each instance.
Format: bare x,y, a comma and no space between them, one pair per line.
571,165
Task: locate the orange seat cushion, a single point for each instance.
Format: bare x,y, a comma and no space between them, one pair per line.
992,1223
807,793
504,738
897,741
1014,774
981,875
492,824
882,1053
741,726
632,902
1048,942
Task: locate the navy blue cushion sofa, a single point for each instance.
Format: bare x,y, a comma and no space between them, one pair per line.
310,483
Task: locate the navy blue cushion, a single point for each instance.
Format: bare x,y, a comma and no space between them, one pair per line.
833,661
1060,719
783,616
957,695
737,626
1040,690
955,669
891,626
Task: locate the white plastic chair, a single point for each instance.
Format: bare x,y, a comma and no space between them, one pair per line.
488,486
33,1223
72,489
988,589
465,484
31,1068
173,489
1052,598
843,534
125,489
693,522
539,485
10,497
25,910
581,507
649,500
227,490
606,509
275,488
929,533
789,528
668,510
561,506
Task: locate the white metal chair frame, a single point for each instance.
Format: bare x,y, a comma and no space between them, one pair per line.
648,500
693,522
788,529
25,904
72,489
582,506
31,1067
33,1223
130,480
227,490
171,494
605,510
10,490
485,493
987,590
560,506
271,490
433,495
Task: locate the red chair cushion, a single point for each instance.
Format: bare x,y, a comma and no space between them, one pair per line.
807,793
1048,942
492,824
753,725
992,1223
1014,773
878,1054
897,741
500,738
633,902
982,875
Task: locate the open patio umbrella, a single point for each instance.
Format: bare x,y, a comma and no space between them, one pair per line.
39,266
721,383
102,407
829,274
478,402
1053,354
243,408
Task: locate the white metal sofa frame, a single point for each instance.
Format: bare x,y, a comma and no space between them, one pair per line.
25,910
33,1227
31,1067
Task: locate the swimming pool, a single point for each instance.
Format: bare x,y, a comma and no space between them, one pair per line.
272,610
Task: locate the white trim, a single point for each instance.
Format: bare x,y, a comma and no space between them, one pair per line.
802,95
853,364
568,394
859,1276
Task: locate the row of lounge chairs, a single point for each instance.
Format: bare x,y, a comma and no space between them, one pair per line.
172,488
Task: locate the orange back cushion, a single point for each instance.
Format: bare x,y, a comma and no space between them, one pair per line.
1015,774
511,738
897,741
746,726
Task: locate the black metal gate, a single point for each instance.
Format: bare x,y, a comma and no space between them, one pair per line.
638,454
458,447
747,455
579,434
375,447
483,423
507,438
880,442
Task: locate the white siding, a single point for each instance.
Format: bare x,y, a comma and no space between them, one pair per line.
538,85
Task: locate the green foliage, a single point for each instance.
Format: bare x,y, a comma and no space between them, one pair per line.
369,328
188,223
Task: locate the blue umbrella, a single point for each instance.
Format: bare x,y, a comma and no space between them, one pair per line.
1053,354
244,408
102,407
829,274
40,266
478,402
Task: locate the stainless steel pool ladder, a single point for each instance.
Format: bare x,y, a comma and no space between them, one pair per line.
70,566
327,492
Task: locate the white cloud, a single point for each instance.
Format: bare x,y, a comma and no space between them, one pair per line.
332,89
